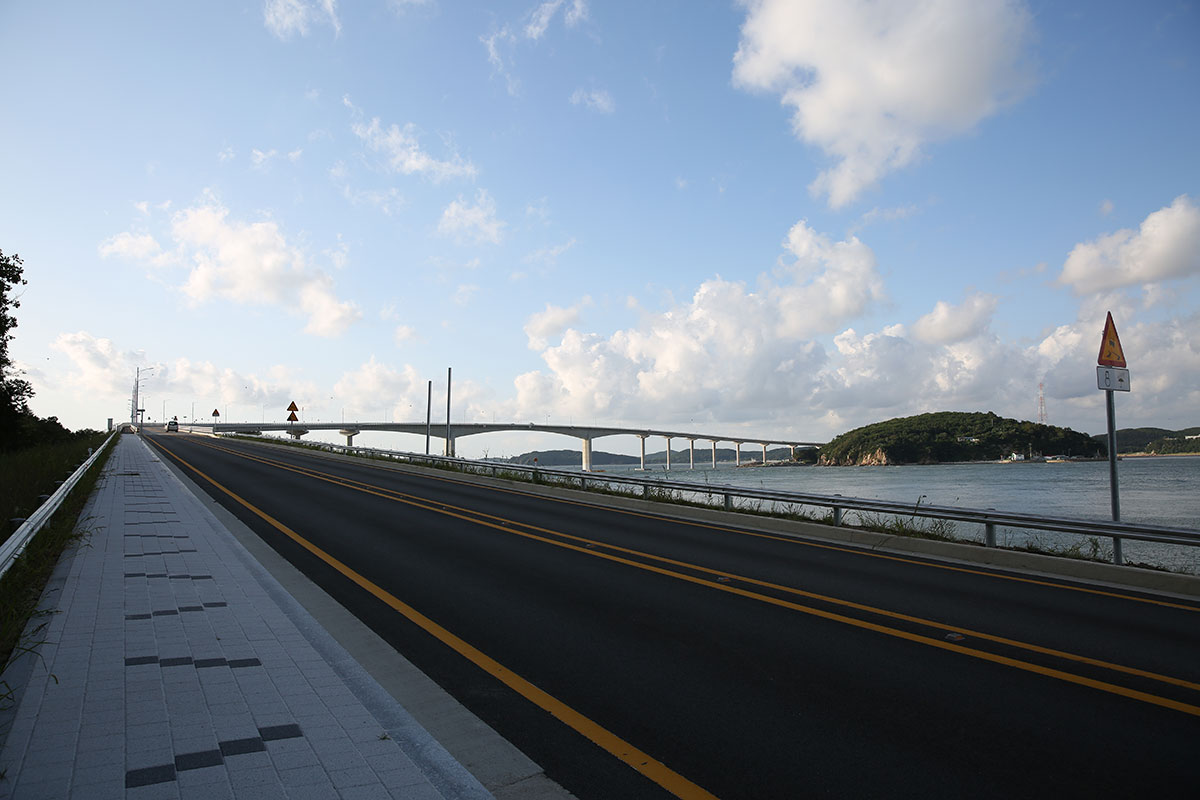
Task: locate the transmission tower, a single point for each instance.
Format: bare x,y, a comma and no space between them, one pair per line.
1042,403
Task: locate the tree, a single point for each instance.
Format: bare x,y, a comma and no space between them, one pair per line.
14,391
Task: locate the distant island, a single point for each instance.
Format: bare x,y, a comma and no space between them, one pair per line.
936,438
953,436
1156,441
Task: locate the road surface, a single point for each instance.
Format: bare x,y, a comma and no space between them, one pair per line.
633,655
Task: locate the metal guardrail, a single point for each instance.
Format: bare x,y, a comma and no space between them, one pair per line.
838,505
22,536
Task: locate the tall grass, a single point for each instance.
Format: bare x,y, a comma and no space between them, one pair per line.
22,585
27,474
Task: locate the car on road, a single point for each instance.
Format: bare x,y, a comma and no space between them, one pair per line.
172,425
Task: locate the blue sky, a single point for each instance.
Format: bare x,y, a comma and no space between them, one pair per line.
777,218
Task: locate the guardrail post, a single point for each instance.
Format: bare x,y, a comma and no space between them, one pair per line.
837,516
989,534
728,502
1118,555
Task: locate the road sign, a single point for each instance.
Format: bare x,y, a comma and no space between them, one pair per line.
292,417
1111,354
293,408
1111,379
216,413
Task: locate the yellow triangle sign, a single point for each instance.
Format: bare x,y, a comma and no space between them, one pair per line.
292,407
1111,354
292,417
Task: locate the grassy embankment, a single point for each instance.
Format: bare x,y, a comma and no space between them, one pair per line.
24,476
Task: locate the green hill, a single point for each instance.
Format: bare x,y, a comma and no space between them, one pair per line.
1155,440
949,436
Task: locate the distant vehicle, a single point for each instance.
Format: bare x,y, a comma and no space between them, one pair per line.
172,425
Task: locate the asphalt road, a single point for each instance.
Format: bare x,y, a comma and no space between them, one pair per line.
633,655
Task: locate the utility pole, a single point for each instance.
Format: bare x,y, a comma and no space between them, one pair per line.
428,416
449,441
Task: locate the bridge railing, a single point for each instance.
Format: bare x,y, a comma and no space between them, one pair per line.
735,498
31,526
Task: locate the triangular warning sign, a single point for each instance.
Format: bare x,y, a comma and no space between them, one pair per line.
1111,354
292,407
292,417
216,413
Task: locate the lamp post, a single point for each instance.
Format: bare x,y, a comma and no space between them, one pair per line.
134,413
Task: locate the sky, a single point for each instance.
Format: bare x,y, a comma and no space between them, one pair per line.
776,218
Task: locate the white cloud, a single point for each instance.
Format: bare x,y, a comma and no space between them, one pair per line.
104,373
136,247
374,387
595,100
496,45
248,263
403,333
475,223
577,13
728,352
828,283
284,18
402,152
552,322
260,159
501,44
1166,246
464,294
550,255
99,369
539,18
871,83
226,154
948,324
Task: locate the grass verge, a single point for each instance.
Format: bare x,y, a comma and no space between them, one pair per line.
22,586
27,474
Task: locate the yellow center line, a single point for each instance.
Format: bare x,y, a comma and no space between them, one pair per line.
653,769
857,551
511,527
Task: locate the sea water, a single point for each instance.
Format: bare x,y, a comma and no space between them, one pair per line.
1152,491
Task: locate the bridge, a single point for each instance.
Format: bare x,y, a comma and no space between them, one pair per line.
450,432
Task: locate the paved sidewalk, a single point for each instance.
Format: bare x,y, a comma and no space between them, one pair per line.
174,666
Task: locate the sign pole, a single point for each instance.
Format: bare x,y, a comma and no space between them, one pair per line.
1111,375
1118,556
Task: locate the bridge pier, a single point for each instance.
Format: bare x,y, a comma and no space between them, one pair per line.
714,445
350,433
642,440
691,453
296,433
587,454
448,450
737,454
764,447
668,454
